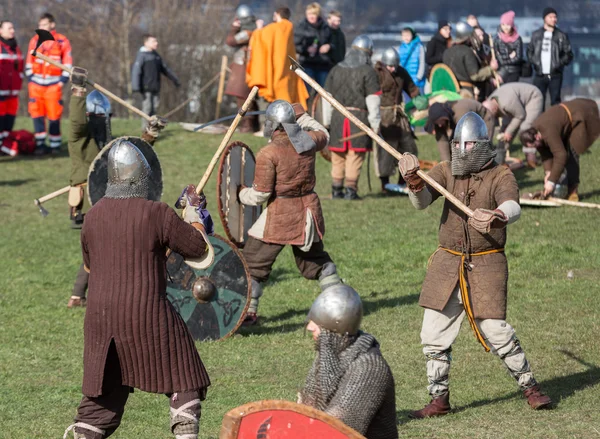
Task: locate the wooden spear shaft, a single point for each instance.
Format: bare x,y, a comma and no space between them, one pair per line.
225,141
221,86
98,87
296,68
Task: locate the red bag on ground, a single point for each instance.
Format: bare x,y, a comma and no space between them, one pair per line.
19,142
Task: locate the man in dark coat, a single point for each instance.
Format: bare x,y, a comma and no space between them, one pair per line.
239,38
146,72
561,135
349,379
285,180
468,273
549,51
312,38
338,39
133,336
355,84
438,45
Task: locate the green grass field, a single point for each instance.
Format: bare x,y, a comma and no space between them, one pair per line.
380,245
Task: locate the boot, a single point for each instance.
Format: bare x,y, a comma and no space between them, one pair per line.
384,181
337,192
573,196
351,194
536,399
438,406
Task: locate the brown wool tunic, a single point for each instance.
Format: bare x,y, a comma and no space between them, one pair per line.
290,177
236,86
124,245
489,274
559,132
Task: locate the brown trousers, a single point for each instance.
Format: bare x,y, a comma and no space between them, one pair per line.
105,412
346,165
385,163
260,257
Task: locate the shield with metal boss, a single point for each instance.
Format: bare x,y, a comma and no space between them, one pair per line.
98,172
213,302
236,169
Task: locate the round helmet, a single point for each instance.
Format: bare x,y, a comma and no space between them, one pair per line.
243,11
364,43
390,57
470,128
97,103
280,111
126,164
463,32
338,309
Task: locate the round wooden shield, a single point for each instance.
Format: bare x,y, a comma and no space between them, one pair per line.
443,78
236,169
98,172
220,312
283,420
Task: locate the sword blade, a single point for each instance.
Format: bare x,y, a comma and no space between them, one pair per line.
223,119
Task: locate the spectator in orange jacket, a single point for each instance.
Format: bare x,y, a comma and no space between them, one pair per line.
11,79
46,84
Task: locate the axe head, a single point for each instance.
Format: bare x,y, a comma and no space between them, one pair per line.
43,211
43,36
295,65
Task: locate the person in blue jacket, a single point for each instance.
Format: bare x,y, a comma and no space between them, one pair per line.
412,57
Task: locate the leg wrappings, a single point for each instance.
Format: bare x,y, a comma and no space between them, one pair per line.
185,420
329,276
438,372
517,365
81,430
256,293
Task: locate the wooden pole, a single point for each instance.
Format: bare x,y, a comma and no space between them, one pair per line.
574,203
225,141
93,84
221,86
54,194
202,90
327,96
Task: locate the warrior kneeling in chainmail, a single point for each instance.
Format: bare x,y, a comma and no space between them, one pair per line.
349,378
468,272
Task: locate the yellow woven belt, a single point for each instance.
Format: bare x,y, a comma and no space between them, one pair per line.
464,289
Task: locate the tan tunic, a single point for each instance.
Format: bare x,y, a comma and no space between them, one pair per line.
488,274
576,128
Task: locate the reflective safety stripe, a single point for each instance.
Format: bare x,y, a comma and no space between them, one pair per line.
10,57
45,80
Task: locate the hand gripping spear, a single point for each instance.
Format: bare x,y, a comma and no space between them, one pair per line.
43,36
300,72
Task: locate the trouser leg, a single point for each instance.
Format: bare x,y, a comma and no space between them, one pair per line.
186,410
354,162
155,103
573,171
54,110
541,82
316,264
503,342
338,168
99,417
555,86
81,283
440,329
385,163
260,257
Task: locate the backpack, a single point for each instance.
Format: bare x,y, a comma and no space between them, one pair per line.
19,142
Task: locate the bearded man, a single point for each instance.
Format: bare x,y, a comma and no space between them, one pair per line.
285,179
561,135
395,126
90,131
355,84
349,379
134,337
468,272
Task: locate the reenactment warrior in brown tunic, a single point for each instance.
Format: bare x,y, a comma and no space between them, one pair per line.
134,338
443,118
395,126
468,273
90,131
349,378
561,135
239,38
355,84
285,179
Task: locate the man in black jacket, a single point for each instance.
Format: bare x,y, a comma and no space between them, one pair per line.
145,75
338,39
549,52
312,38
438,45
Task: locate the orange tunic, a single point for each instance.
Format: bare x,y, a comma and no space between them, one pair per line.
269,66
